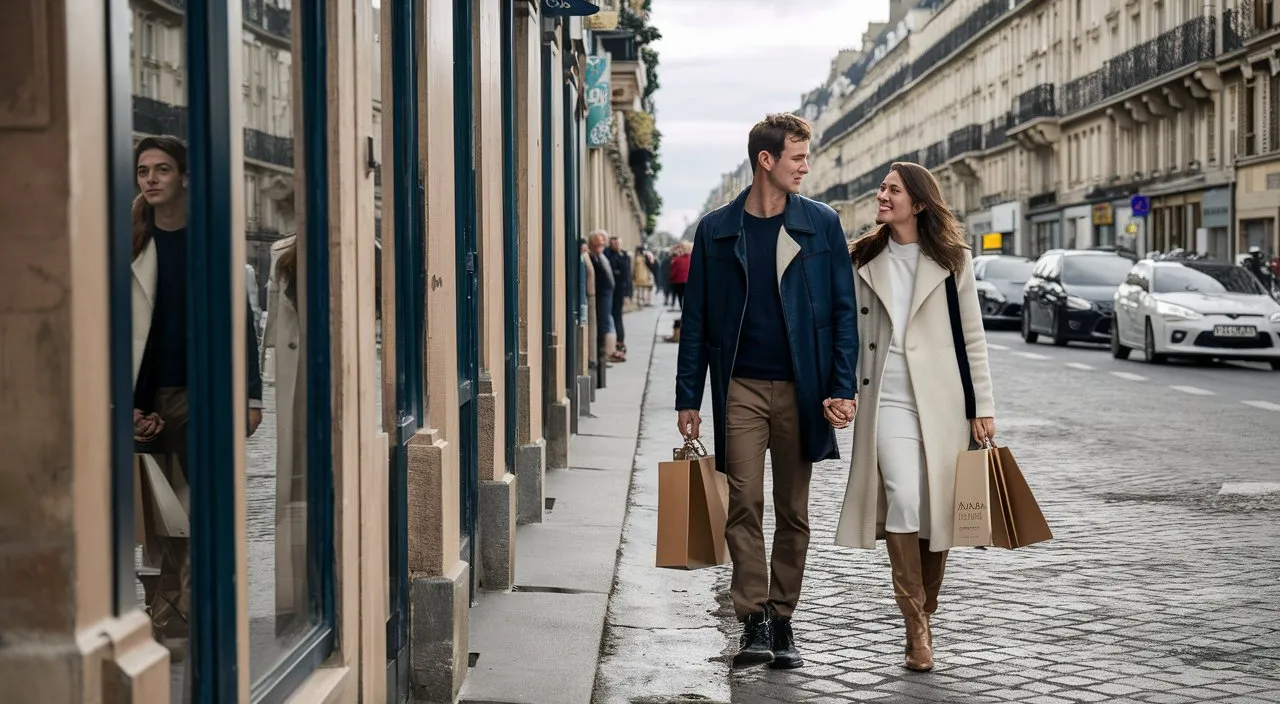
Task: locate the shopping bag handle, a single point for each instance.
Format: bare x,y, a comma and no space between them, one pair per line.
693,449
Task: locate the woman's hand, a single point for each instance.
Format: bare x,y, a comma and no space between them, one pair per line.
839,412
146,426
984,430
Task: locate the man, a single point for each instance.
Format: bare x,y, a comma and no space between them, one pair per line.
620,263
769,307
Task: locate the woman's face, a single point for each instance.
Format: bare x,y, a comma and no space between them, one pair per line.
893,203
159,179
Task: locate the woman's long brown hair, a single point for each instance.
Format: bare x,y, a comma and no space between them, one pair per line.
940,236
144,216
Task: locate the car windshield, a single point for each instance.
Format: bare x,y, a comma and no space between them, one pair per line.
1204,278
1095,270
1008,270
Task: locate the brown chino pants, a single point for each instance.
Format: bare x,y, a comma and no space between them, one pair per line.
762,415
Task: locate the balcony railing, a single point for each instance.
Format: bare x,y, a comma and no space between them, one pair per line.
1189,43
621,45
1241,24
964,140
1035,103
154,117
269,18
975,23
935,154
268,147
1042,199
996,132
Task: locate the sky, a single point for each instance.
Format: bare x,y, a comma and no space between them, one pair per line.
724,64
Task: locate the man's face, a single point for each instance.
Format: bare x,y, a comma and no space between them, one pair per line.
159,178
596,244
615,244
790,168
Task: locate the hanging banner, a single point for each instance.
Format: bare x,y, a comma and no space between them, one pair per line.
599,107
568,8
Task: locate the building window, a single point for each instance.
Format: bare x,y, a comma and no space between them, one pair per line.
1250,120
1273,115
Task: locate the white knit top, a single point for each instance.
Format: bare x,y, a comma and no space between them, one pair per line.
895,388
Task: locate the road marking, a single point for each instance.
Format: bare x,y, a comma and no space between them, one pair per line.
1264,405
1129,376
1194,391
1081,366
1032,355
994,346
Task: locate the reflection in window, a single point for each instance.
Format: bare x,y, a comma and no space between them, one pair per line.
279,604
1205,278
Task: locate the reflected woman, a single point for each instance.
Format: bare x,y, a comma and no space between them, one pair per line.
912,425
284,335
160,336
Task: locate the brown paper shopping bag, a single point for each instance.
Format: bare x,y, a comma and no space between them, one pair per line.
693,504
993,503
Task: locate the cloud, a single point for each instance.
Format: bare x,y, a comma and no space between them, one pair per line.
724,64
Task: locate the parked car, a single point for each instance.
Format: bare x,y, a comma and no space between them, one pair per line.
1195,308
1000,278
1071,295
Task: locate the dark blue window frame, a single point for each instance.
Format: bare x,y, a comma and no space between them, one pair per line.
511,233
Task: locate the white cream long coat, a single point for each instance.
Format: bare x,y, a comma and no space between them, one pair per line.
935,379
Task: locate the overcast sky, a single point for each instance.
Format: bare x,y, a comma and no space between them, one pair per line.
724,64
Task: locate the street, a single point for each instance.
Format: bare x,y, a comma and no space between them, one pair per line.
1162,583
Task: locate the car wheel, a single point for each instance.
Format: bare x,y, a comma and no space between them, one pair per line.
1060,339
1118,350
1149,347
1027,335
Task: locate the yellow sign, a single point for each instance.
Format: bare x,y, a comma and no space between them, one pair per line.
1102,214
993,240
1131,228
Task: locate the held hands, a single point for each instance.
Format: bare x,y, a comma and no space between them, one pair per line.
984,429
146,426
839,411
690,424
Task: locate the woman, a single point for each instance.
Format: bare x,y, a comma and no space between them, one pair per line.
284,334
911,426
642,277
679,275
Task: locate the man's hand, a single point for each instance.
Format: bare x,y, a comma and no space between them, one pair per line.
255,419
146,426
690,424
839,411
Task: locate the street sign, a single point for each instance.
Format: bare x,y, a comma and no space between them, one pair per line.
569,8
1140,205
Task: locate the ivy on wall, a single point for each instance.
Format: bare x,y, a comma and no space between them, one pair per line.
645,140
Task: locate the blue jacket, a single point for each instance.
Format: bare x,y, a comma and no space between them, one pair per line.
817,304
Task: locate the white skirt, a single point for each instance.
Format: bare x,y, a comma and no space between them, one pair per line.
900,452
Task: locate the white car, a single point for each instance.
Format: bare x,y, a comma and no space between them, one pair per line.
1196,309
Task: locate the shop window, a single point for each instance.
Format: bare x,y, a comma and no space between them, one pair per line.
184,304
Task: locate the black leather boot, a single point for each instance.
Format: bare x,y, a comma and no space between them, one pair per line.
756,645
785,654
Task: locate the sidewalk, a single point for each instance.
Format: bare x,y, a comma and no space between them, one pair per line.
540,642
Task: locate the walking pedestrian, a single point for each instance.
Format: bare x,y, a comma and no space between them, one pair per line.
642,277
769,309
911,423
679,275
620,263
664,277
605,291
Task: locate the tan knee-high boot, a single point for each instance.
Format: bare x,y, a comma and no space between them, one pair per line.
932,566
909,592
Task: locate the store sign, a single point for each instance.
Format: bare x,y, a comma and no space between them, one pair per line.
1102,214
568,8
993,240
599,106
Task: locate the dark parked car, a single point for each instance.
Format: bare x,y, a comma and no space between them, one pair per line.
1000,278
1071,295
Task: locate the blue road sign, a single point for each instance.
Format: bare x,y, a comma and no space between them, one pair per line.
1140,205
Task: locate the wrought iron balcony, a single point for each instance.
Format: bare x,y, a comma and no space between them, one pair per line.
974,24
964,140
268,148
1239,25
1042,199
269,18
1035,103
621,44
154,117
1186,44
996,132
935,154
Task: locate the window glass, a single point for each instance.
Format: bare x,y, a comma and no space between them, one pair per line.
276,369
1205,278
1007,270
1095,270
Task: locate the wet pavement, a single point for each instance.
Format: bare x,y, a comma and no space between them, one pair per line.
1158,587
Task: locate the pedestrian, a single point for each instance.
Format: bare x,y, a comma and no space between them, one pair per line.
605,291
664,277
160,404
769,308
911,422
620,263
679,275
642,277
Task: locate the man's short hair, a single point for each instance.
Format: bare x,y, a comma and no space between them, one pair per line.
771,135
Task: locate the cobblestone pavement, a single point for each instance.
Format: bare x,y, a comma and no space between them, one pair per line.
1157,588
